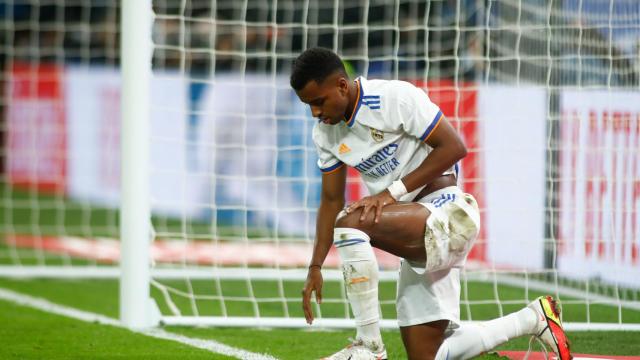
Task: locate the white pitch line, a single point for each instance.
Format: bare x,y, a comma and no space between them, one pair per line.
210,345
86,316
47,306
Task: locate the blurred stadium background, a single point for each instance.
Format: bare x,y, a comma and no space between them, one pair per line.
546,94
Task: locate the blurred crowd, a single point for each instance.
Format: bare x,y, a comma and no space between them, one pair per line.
438,39
66,31
248,36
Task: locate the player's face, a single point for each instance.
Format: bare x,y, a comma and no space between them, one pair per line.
328,100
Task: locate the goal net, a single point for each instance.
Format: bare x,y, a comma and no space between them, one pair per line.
544,93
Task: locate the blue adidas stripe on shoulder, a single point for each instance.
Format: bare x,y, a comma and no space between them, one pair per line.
371,101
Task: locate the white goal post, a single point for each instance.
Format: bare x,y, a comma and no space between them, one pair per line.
135,213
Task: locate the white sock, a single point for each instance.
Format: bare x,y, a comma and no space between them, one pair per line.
360,269
472,340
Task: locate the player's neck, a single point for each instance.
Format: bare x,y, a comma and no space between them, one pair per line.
353,98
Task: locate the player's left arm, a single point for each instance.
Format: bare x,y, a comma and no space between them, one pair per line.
448,149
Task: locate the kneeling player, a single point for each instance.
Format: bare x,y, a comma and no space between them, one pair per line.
407,154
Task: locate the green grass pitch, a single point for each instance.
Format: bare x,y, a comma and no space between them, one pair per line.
33,334
26,333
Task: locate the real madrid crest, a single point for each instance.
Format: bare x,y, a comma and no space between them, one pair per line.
377,135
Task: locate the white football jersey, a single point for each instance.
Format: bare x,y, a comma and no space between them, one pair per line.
385,137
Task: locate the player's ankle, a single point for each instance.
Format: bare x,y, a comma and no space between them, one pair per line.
530,318
374,344
370,332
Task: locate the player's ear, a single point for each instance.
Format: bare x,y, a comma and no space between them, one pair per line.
343,85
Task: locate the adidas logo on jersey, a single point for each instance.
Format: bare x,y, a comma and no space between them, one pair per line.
343,149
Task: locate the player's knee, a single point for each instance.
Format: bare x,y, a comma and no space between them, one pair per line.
349,220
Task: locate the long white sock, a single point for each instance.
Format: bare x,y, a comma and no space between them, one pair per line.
472,340
360,270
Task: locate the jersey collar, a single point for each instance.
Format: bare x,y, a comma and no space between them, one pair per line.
356,107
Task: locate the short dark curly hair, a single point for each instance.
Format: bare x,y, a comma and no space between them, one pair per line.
315,64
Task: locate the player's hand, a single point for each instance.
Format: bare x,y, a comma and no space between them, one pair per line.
312,285
372,203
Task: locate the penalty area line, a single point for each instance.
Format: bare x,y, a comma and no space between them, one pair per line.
86,316
210,345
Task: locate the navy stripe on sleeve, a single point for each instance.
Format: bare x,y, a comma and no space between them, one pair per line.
432,126
332,167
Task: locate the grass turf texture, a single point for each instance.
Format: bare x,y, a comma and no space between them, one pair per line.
27,333
101,296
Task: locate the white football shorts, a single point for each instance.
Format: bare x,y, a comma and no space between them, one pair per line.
431,291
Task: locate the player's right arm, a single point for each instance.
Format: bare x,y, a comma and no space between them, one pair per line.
331,203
